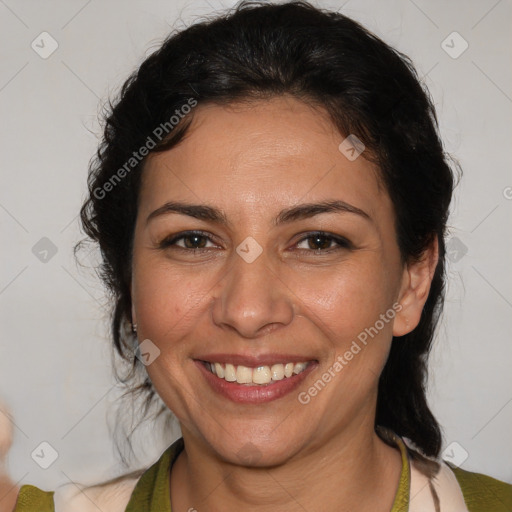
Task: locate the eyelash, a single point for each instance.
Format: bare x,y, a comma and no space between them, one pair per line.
169,242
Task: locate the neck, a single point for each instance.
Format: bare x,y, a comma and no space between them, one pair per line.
339,472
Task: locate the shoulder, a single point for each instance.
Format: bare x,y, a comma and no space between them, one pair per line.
481,492
124,493
31,499
72,497
113,495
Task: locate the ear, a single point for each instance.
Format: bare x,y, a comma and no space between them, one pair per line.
416,280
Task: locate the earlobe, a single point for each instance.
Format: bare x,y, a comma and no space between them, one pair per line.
416,281
134,320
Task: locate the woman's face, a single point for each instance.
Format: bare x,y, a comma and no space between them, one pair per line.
251,290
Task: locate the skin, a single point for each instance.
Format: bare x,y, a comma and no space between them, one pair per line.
251,161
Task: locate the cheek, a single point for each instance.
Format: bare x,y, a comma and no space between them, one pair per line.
346,308
167,300
166,304
348,299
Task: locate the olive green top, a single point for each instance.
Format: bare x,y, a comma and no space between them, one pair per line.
152,492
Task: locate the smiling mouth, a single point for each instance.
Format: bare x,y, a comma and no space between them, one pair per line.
259,376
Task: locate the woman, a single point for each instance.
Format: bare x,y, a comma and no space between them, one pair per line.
270,199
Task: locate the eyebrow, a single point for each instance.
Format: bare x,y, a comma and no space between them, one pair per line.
294,213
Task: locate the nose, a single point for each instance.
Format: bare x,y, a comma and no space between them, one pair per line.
251,299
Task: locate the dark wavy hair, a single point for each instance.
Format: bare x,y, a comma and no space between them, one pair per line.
259,50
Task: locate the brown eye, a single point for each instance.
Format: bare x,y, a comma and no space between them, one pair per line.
323,242
191,240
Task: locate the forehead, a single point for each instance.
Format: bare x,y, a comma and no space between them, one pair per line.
278,151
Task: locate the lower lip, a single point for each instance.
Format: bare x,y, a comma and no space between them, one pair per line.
257,394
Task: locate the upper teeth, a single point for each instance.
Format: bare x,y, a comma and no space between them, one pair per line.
259,375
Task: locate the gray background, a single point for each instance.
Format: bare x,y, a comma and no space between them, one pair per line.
55,359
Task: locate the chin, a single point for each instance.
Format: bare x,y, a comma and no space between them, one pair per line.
257,452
